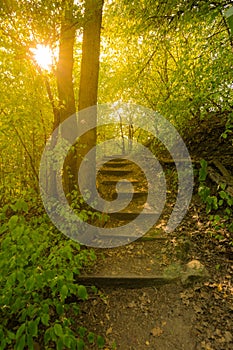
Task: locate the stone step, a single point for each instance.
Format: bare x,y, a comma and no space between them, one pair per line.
133,281
127,215
136,194
122,183
181,274
124,205
134,265
135,233
141,269
116,164
116,157
141,264
114,171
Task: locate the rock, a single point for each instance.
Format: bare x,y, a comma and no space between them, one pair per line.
194,270
195,265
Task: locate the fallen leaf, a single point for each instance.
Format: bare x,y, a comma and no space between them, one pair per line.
131,305
228,336
109,331
156,332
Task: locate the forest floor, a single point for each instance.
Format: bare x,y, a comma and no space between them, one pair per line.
196,315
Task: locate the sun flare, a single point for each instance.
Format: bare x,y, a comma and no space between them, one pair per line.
44,56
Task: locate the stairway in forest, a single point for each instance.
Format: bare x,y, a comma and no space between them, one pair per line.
150,259
119,179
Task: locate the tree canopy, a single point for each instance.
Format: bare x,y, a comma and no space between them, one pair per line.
172,56
58,58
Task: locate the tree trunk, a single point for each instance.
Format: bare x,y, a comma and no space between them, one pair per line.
88,90
66,92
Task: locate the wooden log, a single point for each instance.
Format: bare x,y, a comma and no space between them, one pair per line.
220,179
223,170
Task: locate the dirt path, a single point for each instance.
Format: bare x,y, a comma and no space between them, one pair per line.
147,318
198,315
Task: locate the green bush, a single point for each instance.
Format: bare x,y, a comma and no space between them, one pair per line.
219,206
39,297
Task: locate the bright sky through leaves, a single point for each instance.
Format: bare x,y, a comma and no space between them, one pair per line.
44,56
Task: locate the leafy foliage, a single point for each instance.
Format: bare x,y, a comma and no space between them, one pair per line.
40,300
177,59
219,205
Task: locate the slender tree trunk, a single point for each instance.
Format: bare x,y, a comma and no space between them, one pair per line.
122,136
88,89
65,70
130,136
66,92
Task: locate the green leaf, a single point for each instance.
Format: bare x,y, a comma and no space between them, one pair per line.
10,335
20,276
224,136
64,292
100,341
13,207
59,309
94,289
203,170
80,344
20,206
58,330
3,229
82,331
230,227
29,342
223,186
82,292
47,336
45,319
223,194
76,309
13,222
227,211
204,192
67,340
33,328
45,307
20,331
217,218
21,344
60,344
30,283
91,337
